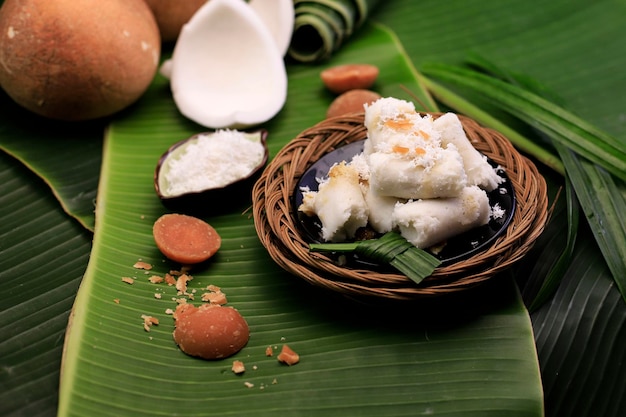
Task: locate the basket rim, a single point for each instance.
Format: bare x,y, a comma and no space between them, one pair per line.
277,228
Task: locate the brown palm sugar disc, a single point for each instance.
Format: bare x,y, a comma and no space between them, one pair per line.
352,101
210,331
185,239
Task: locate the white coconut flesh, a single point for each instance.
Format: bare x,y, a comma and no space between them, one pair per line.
226,69
278,16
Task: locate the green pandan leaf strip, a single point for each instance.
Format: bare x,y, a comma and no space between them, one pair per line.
524,144
600,194
392,249
556,273
572,131
602,200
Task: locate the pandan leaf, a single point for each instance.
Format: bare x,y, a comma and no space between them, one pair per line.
600,194
389,249
557,272
569,130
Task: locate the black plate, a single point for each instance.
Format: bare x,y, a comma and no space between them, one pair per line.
457,248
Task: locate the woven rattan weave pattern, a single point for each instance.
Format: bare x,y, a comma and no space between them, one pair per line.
278,228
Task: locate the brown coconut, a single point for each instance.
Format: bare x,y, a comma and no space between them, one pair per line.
171,15
77,59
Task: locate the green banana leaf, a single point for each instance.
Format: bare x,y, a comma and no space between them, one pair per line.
107,344
588,312
514,33
67,156
43,254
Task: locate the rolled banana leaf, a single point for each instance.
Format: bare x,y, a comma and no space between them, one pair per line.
319,31
322,26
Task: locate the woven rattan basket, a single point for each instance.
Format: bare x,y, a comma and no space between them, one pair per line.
279,232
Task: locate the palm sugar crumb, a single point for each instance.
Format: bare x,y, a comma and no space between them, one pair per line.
157,295
181,283
142,265
128,280
169,311
249,384
288,356
269,351
116,300
155,279
217,297
170,280
238,367
148,321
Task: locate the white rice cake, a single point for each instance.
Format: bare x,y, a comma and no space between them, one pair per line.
425,223
338,203
477,168
406,156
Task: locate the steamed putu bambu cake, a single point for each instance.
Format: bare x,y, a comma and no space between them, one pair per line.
405,155
401,173
417,175
427,222
381,209
479,172
339,203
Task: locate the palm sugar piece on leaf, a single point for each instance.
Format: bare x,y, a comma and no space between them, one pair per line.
185,239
